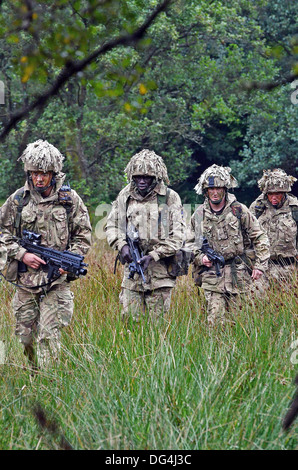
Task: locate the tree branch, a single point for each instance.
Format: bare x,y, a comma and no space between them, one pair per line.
268,86
71,68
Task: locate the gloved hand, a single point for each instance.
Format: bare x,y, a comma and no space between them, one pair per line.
144,262
125,254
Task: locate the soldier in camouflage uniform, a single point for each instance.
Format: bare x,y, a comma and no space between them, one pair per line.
277,212
141,204
42,309
229,228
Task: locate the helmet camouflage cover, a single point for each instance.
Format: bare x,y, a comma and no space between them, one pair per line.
276,181
216,176
148,163
42,156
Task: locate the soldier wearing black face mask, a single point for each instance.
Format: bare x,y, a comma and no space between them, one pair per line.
139,205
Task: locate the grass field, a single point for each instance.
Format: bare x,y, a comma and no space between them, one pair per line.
172,385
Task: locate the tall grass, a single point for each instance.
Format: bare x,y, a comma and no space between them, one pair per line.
170,385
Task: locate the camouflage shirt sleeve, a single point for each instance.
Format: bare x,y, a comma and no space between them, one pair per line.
115,228
3,252
194,235
258,237
7,217
79,227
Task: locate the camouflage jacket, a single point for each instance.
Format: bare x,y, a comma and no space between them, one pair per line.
160,240
230,234
48,217
278,224
3,252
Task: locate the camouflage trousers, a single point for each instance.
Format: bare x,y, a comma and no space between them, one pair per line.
39,319
217,306
152,304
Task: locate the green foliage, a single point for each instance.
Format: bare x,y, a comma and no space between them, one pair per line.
271,140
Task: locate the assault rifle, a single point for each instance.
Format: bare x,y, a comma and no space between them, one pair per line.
132,238
68,261
217,259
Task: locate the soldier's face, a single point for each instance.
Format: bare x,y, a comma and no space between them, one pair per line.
216,194
41,179
275,198
143,182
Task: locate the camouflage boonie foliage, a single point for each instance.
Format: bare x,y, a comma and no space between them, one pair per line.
276,181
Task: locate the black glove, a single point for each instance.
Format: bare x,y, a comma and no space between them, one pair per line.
144,262
125,254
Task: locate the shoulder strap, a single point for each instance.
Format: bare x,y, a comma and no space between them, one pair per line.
259,209
20,202
294,210
162,215
237,210
163,199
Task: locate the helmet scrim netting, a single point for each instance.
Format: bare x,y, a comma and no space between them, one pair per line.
148,163
276,181
42,156
216,176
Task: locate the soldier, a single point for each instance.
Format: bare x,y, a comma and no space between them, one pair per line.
141,205
229,228
277,212
42,308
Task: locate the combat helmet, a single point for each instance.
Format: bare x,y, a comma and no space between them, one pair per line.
42,156
215,176
148,163
276,181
